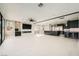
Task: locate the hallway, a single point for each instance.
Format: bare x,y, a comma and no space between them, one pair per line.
35,45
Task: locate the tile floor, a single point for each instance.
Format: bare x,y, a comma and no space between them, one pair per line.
36,45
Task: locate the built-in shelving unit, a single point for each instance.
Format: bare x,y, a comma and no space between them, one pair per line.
72,29
26,28
56,30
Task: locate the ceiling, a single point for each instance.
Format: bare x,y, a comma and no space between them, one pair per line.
23,11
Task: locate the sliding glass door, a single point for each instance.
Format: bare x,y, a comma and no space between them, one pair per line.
2,29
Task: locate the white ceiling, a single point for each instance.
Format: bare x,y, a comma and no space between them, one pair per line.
23,11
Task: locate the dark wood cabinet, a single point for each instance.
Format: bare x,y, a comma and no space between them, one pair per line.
18,33
73,29
17,28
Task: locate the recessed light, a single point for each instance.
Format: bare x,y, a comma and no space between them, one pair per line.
40,4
